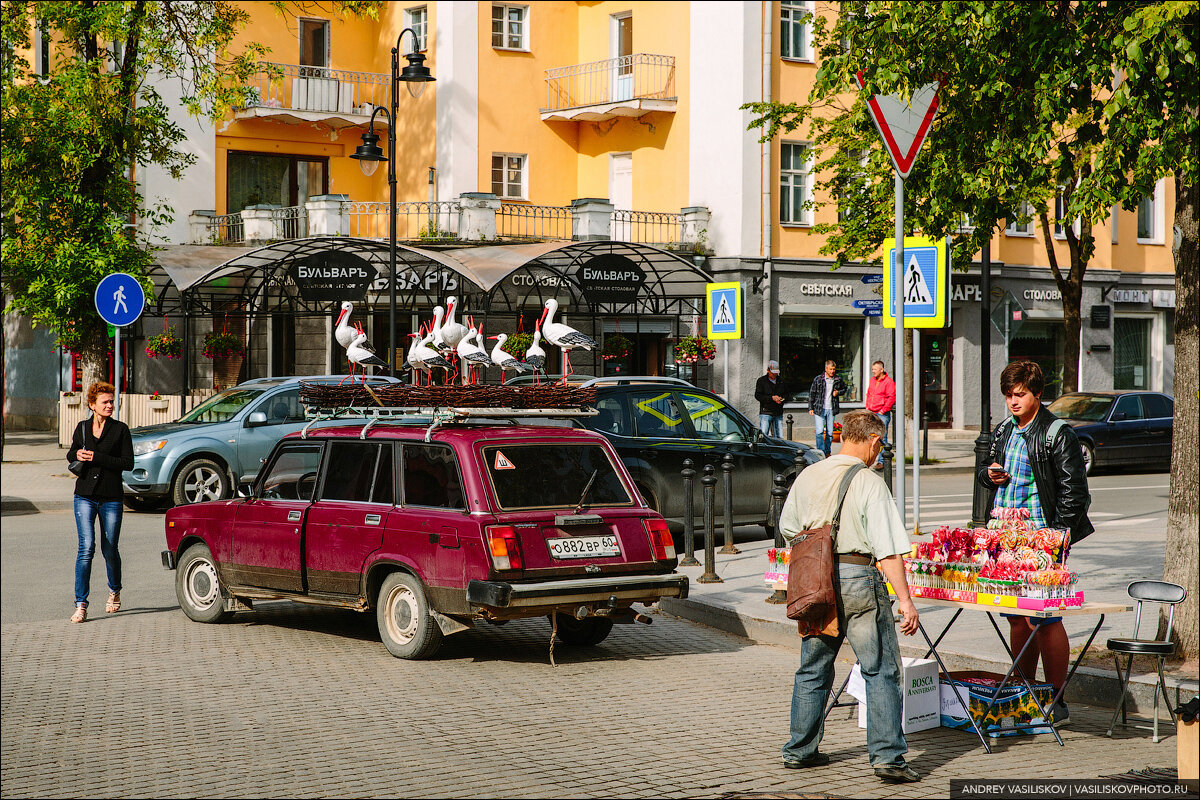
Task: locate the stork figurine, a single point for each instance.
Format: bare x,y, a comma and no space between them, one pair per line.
535,356
471,351
361,353
344,332
452,330
427,357
411,360
563,336
504,360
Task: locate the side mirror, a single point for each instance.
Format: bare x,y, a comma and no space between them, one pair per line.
256,419
245,488
1117,417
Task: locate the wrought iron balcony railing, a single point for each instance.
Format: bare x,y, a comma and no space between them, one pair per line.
641,81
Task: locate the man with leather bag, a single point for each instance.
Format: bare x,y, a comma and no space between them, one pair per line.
864,529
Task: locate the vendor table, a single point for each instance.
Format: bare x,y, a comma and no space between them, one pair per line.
1087,609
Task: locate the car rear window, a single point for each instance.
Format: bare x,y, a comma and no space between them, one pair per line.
553,476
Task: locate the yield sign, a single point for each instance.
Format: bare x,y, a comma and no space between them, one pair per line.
903,126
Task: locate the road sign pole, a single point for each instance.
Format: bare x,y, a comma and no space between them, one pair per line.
725,368
898,299
117,371
917,414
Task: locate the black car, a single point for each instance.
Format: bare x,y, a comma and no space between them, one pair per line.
656,423
1119,428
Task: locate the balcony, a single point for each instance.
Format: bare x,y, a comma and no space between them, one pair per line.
628,86
297,94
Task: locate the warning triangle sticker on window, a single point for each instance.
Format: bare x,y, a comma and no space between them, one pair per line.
502,462
916,290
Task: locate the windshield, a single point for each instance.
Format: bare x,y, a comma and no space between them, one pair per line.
221,407
553,476
1086,407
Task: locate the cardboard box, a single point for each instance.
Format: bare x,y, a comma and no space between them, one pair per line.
1187,756
1015,706
920,697
1041,604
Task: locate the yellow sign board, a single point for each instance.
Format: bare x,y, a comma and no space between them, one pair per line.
724,310
926,287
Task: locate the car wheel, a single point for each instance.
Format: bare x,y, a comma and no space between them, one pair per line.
583,632
198,586
1089,458
406,627
200,480
138,503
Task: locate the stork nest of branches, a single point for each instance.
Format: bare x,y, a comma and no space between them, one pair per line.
326,395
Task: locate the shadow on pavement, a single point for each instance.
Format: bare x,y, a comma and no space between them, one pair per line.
16,506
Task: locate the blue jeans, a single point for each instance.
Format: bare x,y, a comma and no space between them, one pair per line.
886,418
771,424
824,422
865,618
109,512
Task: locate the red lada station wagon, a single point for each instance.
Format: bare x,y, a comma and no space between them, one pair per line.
432,529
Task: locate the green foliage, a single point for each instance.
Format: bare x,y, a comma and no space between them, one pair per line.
517,344
616,346
691,349
164,345
220,344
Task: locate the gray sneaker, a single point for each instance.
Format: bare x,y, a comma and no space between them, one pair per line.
897,773
1060,715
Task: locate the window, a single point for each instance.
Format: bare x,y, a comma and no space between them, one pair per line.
1042,341
314,43
418,20
853,191
794,19
1130,405
508,175
795,184
256,178
41,49
1131,353
1021,223
541,476
1060,214
610,417
1157,406
805,342
293,473
1149,217
283,407
967,225
712,420
431,477
358,471
656,415
510,26
222,407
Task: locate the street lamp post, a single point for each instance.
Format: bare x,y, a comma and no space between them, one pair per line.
368,154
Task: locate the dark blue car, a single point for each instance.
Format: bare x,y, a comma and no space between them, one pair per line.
1120,428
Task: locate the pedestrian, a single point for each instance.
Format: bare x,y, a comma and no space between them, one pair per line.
103,447
871,535
1034,461
770,401
881,399
824,403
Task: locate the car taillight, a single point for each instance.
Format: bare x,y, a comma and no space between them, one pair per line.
661,543
502,544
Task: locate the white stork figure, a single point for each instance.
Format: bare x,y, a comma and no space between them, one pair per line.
452,330
343,331
436,338
416,366
471,351
563,336
504,360
535,356
428,358
360,352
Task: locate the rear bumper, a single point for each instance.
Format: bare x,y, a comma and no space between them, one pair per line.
633,589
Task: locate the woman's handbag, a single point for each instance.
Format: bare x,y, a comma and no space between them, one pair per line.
811,599
77,468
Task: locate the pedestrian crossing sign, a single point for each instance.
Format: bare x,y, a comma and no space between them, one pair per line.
724,310
926,287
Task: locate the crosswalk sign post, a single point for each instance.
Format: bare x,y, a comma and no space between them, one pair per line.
924,284
724,315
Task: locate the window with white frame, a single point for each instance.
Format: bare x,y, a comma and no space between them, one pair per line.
795,183
967,225
1060,214
510,26
853,194
1149,216
418,19
41,49
509,175
794,39
1021,223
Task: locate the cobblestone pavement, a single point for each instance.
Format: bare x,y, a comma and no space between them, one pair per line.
294,701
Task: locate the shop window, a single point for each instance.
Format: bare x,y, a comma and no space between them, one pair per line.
418,20
794,38
510,27
258,178
1042,342
1131,353
509,175
795,184
806,343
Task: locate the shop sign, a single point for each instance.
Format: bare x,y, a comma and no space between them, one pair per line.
1162,298
1131,296
827,289
1043,294
441,281
967,293
610,278
332,275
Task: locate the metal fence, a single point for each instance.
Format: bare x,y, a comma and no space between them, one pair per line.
418,221
661,228
226,229
637,76
520,221
290,222
302,88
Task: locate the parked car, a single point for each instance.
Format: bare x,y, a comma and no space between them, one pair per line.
432,529
657,423
1120,428
206,452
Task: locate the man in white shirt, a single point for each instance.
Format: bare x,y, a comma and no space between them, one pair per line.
870,532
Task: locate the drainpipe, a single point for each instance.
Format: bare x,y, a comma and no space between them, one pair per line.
768,344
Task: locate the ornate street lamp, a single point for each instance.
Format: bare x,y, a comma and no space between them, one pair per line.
369,156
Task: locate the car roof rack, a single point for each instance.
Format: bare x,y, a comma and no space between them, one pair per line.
439,416
624,380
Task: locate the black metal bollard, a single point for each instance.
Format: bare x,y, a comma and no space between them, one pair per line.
924,438
778,497
799,462
689,522
727,469
709,482
979,500
888,454
790,421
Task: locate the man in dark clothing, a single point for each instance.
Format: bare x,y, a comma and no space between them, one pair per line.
824,403
770,401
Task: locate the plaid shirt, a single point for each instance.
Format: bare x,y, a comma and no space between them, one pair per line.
1021,491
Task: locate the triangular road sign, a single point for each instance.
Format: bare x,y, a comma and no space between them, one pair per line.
903,126
723,316
916,291
502,462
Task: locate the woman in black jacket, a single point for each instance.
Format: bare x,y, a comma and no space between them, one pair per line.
104,449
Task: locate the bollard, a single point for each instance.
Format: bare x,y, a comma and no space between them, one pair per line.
889,453
727,468
709,482
790,421
798,461
778,497
689,522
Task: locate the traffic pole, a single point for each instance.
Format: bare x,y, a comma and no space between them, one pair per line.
117,371
916,487
898,299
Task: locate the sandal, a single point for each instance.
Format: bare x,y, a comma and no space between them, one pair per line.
80,612
114,603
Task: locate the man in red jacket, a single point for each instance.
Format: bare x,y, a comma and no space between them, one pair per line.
881,399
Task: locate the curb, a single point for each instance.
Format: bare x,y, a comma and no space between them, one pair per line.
1090,686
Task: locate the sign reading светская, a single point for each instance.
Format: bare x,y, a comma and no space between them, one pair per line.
333,275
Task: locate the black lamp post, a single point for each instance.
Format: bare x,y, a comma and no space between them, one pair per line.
416,75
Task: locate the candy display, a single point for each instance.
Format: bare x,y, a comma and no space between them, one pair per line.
777,565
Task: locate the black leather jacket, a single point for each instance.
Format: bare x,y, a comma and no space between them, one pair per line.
1058,474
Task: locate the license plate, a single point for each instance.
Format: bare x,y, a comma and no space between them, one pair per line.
584,546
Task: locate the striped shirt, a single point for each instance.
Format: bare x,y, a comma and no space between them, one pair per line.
1020,491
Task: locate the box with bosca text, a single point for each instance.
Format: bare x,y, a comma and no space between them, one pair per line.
921,698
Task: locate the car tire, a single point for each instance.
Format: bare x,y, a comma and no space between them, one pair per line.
198,481
139,503
585,632
406,627
198,586
1089,458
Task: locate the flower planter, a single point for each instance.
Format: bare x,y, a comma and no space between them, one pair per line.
158,405
837,437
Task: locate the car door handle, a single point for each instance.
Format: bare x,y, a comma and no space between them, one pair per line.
371,519
650,454
294,516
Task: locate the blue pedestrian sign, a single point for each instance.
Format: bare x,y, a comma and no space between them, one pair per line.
120,299
724,310
926,283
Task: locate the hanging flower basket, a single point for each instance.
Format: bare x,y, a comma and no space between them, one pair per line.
517,344
223,345
165,345
694,349
615,347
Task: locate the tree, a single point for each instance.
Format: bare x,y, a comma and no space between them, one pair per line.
1082,98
